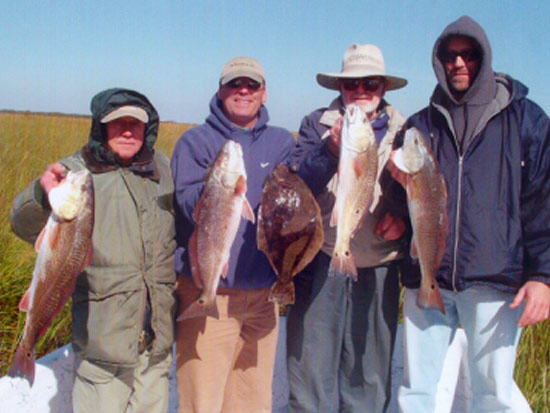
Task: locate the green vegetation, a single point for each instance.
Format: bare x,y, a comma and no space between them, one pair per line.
29,142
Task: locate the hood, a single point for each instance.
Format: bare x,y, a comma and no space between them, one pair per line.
219,121
107,101
482,91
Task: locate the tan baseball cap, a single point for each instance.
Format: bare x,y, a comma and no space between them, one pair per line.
242,66
133,111
361,60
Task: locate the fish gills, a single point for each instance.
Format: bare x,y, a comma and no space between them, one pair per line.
290,229
357,171
217,217
64,250
427,202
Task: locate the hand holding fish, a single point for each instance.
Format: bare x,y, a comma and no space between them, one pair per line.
390,227
53,176
333,143
537,305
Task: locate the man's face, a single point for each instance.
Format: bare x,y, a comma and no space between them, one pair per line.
461,59
241,100
125,137
367,92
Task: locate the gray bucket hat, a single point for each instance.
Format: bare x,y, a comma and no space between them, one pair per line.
361,61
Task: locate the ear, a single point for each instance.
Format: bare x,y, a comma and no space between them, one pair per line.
219,93
264,95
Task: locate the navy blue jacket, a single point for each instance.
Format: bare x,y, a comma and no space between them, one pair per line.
498,195
263,148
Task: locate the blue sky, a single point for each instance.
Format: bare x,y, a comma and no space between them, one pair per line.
55,55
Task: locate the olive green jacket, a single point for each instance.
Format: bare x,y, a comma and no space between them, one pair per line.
133,255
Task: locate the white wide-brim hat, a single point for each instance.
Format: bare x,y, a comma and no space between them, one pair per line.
361,61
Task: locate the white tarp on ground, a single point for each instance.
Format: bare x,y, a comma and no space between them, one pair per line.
51,391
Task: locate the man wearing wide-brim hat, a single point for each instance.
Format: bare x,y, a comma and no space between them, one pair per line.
351,325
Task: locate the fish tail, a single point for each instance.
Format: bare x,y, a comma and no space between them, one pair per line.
200,308
342,264
23,365
282,293
429,296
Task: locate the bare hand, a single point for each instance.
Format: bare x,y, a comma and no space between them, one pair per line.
52,177
395,172
333,144
537,306
390,227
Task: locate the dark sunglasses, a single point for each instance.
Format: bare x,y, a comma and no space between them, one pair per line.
239,83
468,55
370,84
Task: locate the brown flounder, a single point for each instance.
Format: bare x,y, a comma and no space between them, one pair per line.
290,229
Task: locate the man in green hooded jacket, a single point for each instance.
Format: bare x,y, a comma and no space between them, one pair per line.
123,304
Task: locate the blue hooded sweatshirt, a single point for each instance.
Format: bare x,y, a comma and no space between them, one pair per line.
263,148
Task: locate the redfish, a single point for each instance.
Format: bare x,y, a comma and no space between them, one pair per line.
427,202
64,249
217,217
357,171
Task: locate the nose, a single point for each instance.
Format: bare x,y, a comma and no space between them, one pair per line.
459,61
361,89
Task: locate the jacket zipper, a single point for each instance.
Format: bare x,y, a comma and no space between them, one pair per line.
457,220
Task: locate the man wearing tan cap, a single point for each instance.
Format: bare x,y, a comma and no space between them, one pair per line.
123,302
340,332
226,364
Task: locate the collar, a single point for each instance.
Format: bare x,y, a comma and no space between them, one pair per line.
143,165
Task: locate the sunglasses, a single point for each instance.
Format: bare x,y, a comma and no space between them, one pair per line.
370,84
468,55
239,83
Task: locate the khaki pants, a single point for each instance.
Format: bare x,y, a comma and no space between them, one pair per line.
143,389
226,365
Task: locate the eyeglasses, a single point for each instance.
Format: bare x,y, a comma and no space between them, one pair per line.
370,84
239,83
468,55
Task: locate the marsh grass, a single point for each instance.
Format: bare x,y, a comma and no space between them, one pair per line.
29,142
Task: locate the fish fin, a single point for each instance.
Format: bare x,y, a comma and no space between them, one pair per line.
25,302
334,217
429,296
200,308
282,293
240,186
196,210
342,265
224,269
40,239
53,236
193,261
23,365
414,250
247,212
89,257
357,167
261,240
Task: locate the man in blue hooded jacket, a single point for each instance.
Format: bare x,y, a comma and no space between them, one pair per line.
492,144
226,364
